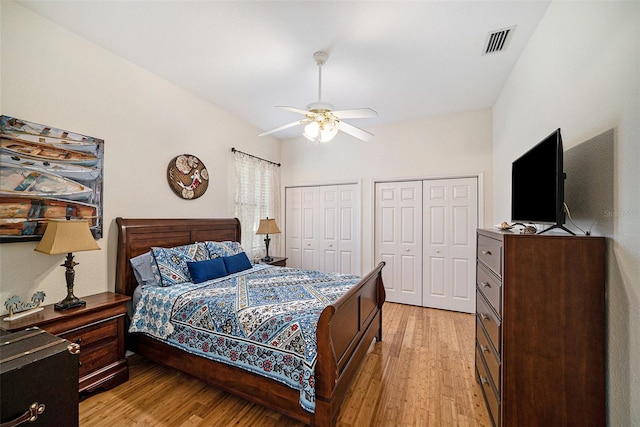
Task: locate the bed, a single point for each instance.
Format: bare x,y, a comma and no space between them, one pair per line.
345,329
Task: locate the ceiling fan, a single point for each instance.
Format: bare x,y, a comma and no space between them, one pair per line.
322,122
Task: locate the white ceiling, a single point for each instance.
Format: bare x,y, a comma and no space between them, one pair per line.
404,59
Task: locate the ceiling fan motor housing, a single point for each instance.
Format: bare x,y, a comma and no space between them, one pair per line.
320,107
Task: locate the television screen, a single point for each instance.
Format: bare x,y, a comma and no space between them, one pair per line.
537,184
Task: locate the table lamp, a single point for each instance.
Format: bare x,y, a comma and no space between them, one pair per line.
62,237
267,226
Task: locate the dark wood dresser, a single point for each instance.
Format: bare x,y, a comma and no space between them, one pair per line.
540,328
99,329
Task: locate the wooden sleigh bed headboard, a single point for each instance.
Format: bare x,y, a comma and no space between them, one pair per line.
137,236
345,329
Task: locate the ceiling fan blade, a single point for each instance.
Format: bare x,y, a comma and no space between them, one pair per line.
287,126
358,113
293,109
355,131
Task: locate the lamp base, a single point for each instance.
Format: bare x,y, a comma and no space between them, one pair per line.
67,304
267,259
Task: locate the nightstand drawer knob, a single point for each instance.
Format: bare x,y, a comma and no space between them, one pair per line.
485,284
79,341
486,253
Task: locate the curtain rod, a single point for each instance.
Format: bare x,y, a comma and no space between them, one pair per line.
233,150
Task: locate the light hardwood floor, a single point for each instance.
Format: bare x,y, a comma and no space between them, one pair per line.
421,374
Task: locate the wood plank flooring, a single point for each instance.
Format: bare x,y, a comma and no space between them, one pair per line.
421,374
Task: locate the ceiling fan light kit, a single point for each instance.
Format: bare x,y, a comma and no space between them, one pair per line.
321,122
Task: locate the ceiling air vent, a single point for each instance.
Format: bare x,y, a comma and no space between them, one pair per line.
498,41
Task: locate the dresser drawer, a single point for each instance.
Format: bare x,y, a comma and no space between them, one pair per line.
486,318
490,287
490,253
487,389
491,358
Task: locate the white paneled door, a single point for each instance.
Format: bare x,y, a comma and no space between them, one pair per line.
340,235
323,228
293,229
425,232
449,226
398,239
310,208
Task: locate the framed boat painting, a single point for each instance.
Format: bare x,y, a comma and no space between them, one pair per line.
47,173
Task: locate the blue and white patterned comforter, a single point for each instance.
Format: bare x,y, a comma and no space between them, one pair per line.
262,320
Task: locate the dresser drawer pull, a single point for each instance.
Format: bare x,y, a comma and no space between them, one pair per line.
484,380
79,341
485,284
484,317
485,349
486,253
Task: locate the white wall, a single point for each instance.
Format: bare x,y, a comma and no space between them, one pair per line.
444,146
51,76
581,72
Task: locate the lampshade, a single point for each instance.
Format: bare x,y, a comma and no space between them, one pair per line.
68,236
268,226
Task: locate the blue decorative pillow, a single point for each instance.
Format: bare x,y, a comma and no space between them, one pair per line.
201,271
142,269
236,263
220,249
170,266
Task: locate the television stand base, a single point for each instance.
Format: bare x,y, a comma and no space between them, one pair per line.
560,226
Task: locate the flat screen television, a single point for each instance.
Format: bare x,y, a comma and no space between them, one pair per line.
537,185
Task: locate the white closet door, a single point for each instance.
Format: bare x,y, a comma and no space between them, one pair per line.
323,228
450,221
310,209
293,227
398,239
329,228
348,232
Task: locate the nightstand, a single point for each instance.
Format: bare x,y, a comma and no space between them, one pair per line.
98,328
277,261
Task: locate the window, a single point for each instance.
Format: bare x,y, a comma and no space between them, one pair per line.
257,196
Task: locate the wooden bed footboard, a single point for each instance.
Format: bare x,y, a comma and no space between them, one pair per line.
345,331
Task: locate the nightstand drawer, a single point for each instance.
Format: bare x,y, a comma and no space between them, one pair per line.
98,344
92,334
98,357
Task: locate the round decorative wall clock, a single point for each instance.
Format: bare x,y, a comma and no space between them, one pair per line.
187,176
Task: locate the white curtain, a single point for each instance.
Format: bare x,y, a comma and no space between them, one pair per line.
257,196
